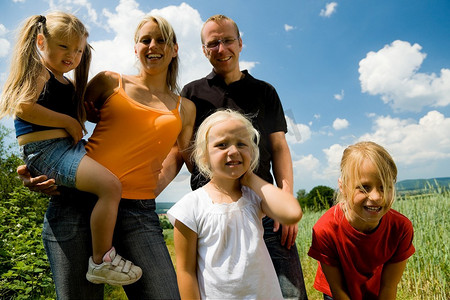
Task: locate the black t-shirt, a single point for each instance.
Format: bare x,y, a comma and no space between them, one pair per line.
56,96
250,96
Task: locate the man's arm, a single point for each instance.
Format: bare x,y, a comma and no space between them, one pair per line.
37,184
284,178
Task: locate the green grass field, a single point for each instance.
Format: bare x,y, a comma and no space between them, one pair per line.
427,272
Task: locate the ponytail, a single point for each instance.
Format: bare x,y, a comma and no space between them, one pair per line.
25,68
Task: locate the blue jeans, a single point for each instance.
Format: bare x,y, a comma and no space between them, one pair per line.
137,237
286,262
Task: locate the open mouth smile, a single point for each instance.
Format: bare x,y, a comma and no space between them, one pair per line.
153,56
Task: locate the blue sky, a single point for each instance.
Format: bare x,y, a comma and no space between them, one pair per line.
345,70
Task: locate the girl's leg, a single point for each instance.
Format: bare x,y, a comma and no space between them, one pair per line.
67,240
139,237
94,178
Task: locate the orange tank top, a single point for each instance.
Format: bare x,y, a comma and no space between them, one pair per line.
132,140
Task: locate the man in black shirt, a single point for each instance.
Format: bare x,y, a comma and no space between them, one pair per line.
229,87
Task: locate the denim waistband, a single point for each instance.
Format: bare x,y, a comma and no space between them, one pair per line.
78,198
139,204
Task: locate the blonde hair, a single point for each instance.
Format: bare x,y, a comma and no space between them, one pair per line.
200,152
218,19
26,65
351,162
169,36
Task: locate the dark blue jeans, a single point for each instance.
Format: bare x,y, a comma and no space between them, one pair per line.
137,237
286,263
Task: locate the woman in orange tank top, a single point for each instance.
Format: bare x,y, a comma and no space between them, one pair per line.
143,128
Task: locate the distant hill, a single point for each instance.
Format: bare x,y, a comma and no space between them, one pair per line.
411,185
163,207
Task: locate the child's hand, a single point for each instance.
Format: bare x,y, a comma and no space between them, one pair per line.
75,130
93,113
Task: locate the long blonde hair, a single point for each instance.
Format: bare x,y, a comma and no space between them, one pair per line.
26,65
351,162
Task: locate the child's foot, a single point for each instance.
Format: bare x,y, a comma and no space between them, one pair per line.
114,270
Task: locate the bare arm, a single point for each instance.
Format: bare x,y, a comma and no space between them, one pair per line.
180,152
336,281
185,241
40,115
284,178
184,138
390,277
170,168
277,204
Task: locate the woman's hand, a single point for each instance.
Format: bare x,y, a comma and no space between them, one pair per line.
92,113
37,184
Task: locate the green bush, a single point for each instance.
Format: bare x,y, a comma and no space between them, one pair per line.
24,269
319,198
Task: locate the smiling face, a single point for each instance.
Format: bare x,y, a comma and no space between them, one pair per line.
370,200
229,150
61,55
152,50
224,58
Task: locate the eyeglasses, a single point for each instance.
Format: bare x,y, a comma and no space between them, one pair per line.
214,45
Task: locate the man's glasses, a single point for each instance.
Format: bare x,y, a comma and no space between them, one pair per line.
214,45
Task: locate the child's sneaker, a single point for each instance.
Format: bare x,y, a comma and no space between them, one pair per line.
114,270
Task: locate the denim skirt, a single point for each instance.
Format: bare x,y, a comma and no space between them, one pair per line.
57,158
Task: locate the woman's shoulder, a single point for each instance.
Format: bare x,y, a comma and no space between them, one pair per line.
107,79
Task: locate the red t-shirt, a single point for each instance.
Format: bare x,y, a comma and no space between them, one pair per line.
359,256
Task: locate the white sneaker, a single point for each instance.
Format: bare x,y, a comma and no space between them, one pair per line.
117,272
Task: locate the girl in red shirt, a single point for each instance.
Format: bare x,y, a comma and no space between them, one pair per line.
361,244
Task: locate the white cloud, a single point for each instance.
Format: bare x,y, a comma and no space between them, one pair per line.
411,142
419,148
339,96
329,9
4,43
77,7
305,167
340,124
288,27
392,73
117,53
297,133
333,155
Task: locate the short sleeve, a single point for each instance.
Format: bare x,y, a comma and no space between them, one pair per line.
322,248
185,211
274,112
405,247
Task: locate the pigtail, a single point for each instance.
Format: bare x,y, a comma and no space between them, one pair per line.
25,68
81,75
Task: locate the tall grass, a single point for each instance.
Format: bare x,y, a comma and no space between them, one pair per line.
427,271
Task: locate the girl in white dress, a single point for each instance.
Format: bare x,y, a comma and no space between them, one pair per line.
218,232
